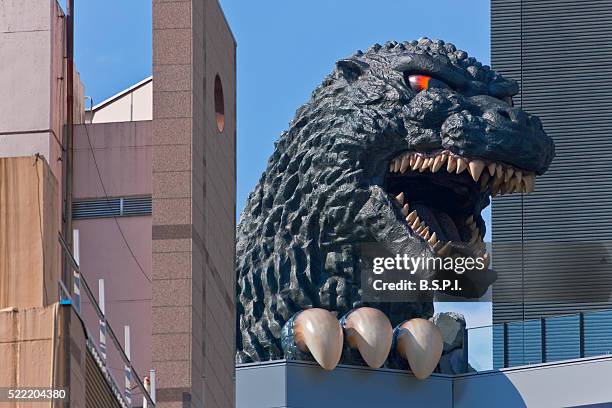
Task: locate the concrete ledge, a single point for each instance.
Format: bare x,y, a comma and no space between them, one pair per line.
281,383
302,384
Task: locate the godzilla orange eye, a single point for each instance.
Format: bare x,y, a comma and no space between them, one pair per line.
419,83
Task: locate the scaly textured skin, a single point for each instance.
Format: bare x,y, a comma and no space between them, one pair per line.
322,192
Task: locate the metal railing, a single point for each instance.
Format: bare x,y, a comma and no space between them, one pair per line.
544,340
74,298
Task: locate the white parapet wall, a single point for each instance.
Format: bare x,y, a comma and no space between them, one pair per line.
130,105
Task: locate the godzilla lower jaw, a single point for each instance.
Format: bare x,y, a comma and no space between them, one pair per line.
440,196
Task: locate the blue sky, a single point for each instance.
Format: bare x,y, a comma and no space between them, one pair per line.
285,48
113,45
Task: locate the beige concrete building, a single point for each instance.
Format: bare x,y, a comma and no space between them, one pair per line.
194,173
153,203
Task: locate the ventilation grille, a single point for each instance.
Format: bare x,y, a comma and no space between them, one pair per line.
111,207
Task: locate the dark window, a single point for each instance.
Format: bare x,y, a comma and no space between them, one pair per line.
219,104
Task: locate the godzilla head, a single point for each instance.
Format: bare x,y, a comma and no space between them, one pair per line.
441,135
402,145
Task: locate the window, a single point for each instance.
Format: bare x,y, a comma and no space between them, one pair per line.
219,104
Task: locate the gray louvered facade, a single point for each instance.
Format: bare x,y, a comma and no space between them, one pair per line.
551,249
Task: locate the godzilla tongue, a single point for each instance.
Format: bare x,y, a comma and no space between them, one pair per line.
439,222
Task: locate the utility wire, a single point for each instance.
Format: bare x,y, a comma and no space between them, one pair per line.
93,155
40,220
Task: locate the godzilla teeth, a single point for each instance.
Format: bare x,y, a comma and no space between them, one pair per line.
498,178
405,210
425,165
441,248
421,229
492,177
411,217
405,164
461,165
451,165
425,233
369,331
475,168
510,185
438,162
491,168
418,163
400,198
318,332
499,171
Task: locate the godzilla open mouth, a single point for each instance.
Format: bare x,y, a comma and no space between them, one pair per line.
441,195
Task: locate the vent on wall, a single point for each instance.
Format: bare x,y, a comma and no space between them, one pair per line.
111,207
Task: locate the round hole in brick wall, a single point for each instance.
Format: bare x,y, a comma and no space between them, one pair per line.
219,104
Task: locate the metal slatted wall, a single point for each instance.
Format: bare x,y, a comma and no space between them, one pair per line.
551,248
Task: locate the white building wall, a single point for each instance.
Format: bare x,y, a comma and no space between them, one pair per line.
33,80
132,104
25,50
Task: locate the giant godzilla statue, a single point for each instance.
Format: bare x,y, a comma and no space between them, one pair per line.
401,145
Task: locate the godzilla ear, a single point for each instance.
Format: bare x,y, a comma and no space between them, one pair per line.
351,69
